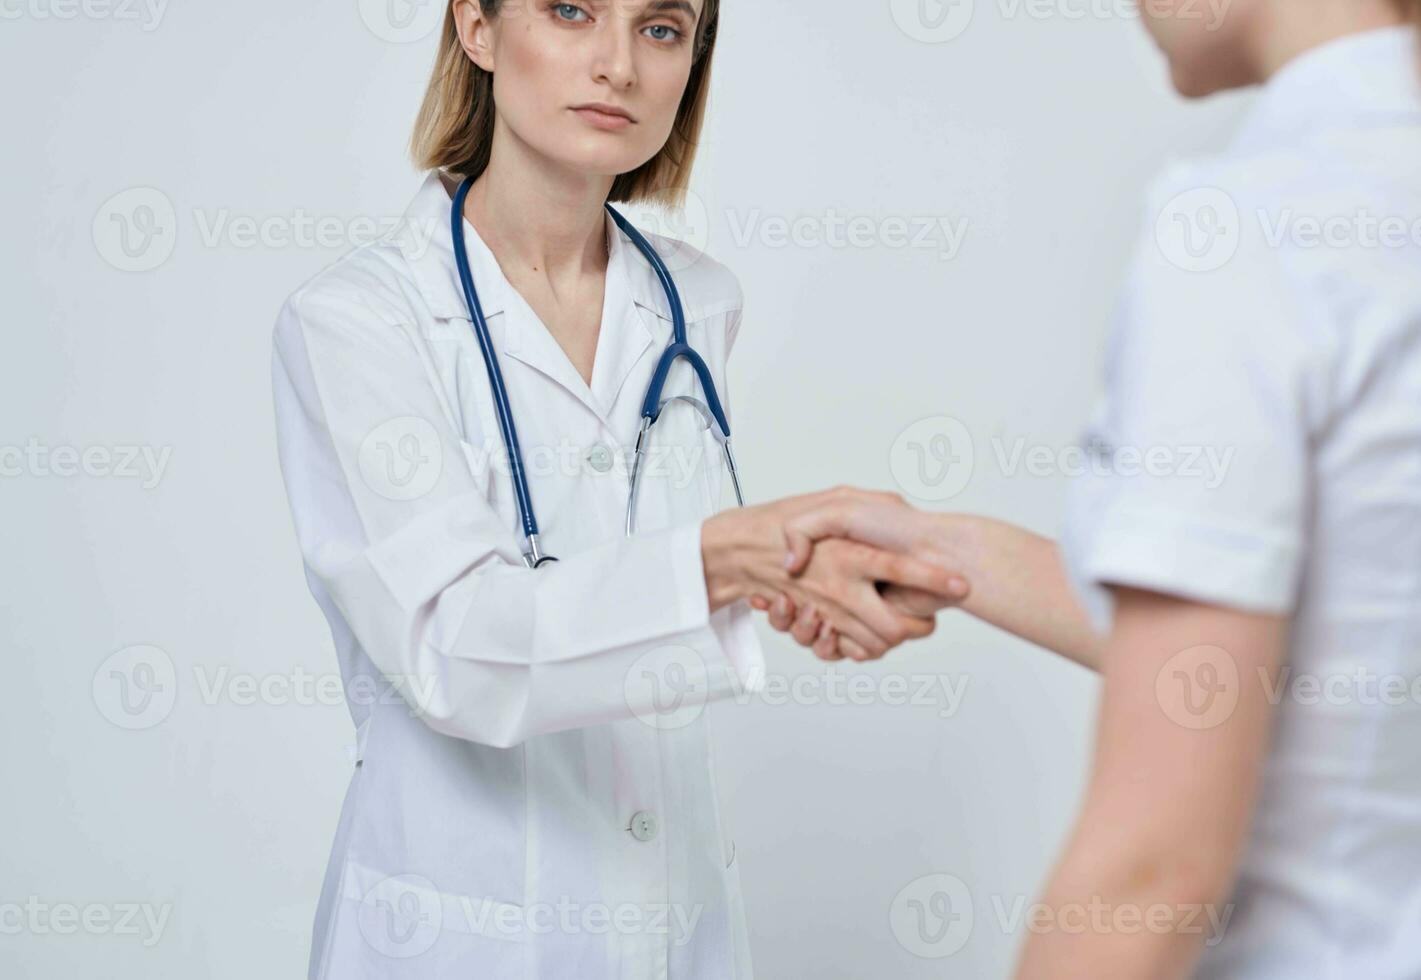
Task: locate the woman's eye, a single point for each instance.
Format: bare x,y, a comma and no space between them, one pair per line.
569,12
663,32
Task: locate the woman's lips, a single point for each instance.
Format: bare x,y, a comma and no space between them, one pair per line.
604,120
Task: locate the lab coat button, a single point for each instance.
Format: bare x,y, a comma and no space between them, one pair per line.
601,458
644,826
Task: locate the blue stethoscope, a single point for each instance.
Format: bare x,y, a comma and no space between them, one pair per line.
652,405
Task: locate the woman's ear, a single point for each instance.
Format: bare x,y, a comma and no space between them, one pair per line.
475,32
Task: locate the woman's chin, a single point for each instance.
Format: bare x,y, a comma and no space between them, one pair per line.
1192,85
602,155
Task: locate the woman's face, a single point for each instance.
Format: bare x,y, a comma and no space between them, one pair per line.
552,61
1207,42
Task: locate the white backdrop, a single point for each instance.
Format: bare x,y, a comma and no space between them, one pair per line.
929,221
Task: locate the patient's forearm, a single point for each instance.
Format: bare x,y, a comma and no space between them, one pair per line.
1125,915
1019,584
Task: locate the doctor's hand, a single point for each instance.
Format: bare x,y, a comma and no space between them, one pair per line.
880,520
844,586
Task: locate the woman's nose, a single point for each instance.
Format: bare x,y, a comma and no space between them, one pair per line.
615,60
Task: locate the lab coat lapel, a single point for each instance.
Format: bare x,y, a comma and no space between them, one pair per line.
626,335
524,338
516,331
622,341
514,327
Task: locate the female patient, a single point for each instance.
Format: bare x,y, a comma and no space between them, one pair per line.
1258,757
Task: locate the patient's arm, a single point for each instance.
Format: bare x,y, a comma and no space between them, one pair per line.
1017,579
1171,794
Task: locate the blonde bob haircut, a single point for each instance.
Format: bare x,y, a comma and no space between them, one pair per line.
454,130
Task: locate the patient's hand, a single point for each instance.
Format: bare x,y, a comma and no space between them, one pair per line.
840,586
882,520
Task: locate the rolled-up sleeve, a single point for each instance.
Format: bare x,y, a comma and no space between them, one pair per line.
1197,470
428,577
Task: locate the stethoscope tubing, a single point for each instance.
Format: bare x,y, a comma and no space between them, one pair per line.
506,424
651,404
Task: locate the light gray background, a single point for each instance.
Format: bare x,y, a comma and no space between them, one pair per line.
1039,126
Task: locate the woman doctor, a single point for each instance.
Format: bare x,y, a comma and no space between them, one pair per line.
539,800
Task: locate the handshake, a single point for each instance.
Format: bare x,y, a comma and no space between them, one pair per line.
849,573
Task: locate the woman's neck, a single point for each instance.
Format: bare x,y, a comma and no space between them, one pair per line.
1285,29
537,217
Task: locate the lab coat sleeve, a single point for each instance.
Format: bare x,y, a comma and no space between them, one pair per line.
393,524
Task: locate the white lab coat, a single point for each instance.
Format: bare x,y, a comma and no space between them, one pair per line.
527,805
1259,446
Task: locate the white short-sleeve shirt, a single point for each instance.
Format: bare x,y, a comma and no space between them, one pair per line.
1258,446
